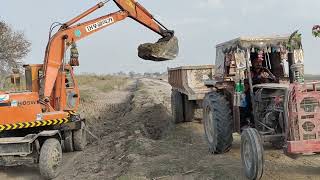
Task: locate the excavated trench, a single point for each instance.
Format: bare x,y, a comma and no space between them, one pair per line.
137,113
121,128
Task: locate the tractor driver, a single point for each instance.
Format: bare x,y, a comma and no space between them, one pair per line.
261,74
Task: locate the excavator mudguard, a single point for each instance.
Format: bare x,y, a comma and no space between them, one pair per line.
162,50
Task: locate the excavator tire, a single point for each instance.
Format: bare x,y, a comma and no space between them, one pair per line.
217,122
50,158
80,138
68,141
177,106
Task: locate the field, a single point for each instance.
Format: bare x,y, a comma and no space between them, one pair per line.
132,136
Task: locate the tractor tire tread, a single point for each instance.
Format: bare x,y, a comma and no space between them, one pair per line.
177,106
220,108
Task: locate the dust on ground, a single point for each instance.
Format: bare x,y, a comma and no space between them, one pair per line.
138,140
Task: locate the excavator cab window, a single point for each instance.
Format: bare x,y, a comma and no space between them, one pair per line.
33,76
28,77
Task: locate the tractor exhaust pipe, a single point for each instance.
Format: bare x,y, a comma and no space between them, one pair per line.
296,70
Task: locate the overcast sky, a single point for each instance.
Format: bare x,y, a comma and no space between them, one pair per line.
199,25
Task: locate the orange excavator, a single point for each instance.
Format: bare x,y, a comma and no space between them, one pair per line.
36,124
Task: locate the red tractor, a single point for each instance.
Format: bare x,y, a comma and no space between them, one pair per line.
256,89
260,92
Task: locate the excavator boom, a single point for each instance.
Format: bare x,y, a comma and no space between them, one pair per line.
165,49
141,15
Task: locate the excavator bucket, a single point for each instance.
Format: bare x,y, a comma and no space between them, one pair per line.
163,50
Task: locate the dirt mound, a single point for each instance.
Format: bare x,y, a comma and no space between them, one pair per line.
137,112
123,128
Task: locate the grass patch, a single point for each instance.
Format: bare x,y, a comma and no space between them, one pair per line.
91,84
86,96
103,83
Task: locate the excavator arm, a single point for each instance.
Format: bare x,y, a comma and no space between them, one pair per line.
140,14
70,33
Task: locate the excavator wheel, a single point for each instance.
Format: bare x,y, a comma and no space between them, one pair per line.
68,141
80,138
50,158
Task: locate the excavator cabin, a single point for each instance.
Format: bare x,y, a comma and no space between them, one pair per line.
26,106
65,86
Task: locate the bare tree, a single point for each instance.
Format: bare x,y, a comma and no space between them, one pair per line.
13,48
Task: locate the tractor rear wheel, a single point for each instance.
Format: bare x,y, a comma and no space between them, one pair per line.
252,153
177,106
50,158
217,121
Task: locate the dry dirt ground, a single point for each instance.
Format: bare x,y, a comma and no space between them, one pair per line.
137,140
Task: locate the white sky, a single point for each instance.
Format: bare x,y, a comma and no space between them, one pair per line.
199,25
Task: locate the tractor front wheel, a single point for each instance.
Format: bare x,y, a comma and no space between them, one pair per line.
252,153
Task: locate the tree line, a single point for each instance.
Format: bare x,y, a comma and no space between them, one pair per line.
13,48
